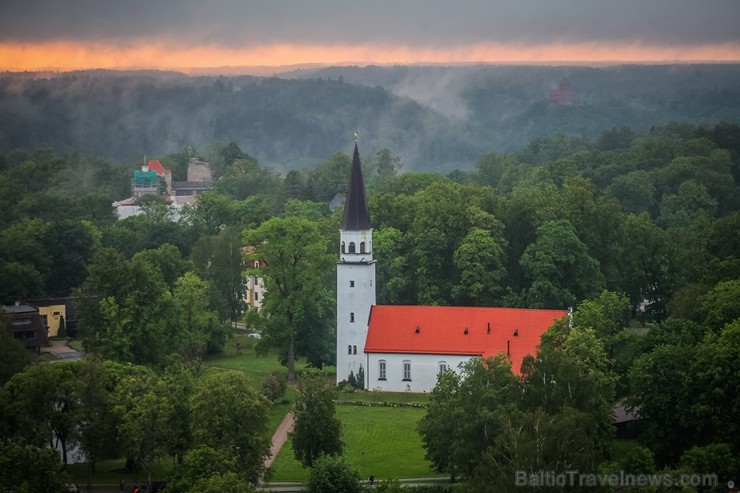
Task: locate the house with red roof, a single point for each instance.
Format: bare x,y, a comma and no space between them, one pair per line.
404,348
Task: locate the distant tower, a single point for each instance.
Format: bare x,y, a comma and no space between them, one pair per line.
355,276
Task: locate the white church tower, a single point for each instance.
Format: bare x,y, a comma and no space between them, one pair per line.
355,277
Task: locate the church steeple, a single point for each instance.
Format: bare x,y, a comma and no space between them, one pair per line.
355,277
356,216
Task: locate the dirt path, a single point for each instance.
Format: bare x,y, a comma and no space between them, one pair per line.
280,437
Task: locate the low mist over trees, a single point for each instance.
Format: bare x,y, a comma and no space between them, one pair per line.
436,118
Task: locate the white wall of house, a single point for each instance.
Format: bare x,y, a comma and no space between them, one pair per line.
423,370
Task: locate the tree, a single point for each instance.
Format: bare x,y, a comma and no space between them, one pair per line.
331,474
571,370
96,425
720,305
199,329
147,426
219,260
392,278
657,382
168,260
25,261
20,467
42,406
714,387
200,462
228,416
536,441
608,314
559,267
388,165
479,259
125,310
245,177
317,430
329,178
14,356
716,458
71,245
634,191
295,270
467,412
219,483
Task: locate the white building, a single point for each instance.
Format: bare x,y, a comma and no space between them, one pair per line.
403,348
355,276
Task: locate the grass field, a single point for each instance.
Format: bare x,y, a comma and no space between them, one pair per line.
378,441
381,441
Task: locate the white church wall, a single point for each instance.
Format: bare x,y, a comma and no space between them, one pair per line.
355,296
423,370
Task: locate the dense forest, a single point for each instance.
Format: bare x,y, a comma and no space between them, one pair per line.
637,229
435,118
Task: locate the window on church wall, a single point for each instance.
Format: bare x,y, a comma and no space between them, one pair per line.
354,349
381,370
352,247
407,371
343,247
256,296
442,366
349,349
362,247
352,284
351,317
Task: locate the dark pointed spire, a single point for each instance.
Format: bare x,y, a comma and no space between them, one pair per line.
356,215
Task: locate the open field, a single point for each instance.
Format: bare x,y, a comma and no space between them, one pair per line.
378,441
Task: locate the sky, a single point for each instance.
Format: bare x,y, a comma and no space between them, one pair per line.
190,34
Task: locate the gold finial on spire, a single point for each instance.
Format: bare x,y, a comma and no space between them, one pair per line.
357,135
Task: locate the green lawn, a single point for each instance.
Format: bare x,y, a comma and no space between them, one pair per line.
378,441
256,366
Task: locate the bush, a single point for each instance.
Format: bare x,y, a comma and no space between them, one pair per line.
274,386
331,474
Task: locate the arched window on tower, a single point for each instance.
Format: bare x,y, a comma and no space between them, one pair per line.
351,317
352,247
349,349
342,247
362,247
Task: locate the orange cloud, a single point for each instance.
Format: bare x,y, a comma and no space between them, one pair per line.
170,56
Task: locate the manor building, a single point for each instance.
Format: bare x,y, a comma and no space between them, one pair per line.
404,348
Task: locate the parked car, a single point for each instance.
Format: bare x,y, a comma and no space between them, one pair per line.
255,335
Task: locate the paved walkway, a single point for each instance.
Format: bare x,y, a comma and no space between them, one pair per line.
62,351
280,437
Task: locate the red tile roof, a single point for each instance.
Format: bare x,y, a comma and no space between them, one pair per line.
441,330
155,165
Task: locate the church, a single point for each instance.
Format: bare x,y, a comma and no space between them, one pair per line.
404,348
